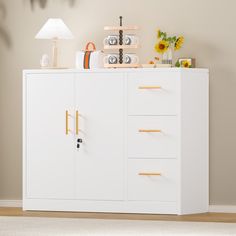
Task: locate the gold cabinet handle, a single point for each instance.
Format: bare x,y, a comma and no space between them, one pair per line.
77,122
149,87
149,130
150,173
67,123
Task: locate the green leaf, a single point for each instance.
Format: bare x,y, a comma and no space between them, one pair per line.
161,35
177,64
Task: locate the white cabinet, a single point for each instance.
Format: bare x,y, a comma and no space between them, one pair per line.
129,140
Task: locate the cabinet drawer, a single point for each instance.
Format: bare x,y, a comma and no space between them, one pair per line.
154,180
153,93
152,136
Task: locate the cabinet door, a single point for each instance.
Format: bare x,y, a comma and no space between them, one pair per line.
49,157
100,158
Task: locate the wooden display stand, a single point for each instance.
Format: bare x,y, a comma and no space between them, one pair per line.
121,47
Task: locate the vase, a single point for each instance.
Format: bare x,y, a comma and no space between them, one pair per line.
167,57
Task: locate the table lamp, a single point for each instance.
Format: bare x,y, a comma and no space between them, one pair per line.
54,29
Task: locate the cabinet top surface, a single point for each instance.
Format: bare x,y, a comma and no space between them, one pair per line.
103,70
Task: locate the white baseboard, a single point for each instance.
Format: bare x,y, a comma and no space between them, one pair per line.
212,208
10,203
222,208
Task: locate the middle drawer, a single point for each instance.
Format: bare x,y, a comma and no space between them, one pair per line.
153,136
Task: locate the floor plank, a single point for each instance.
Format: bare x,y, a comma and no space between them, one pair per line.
206,217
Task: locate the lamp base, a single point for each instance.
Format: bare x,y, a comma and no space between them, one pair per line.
54,52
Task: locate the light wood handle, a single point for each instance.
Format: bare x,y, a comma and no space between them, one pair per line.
150,173
77,123
149,87
67,122
149,130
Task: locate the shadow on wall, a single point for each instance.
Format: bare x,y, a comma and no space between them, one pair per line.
43,3
4,35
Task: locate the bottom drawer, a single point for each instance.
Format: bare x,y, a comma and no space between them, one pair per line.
152,179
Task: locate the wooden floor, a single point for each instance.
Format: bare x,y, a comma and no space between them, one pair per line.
206,217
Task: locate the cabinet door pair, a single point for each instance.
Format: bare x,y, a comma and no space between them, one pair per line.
55,167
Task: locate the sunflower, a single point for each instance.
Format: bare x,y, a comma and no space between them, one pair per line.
185,63
162,46
179,42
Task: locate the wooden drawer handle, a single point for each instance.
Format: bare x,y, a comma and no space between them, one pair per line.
149,174
67,122
77,123
149,87
149,130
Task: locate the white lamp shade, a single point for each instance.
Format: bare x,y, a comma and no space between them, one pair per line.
54,28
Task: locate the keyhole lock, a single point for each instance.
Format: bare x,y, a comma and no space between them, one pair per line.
79,140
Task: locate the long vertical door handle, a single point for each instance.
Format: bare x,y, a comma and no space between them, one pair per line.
67,122
77,122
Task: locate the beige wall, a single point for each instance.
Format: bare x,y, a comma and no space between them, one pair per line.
210,33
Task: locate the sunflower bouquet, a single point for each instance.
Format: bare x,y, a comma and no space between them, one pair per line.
166,42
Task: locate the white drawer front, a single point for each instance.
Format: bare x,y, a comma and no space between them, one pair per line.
154,180
152,136
153,93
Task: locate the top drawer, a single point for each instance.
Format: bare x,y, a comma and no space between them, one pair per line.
153,93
